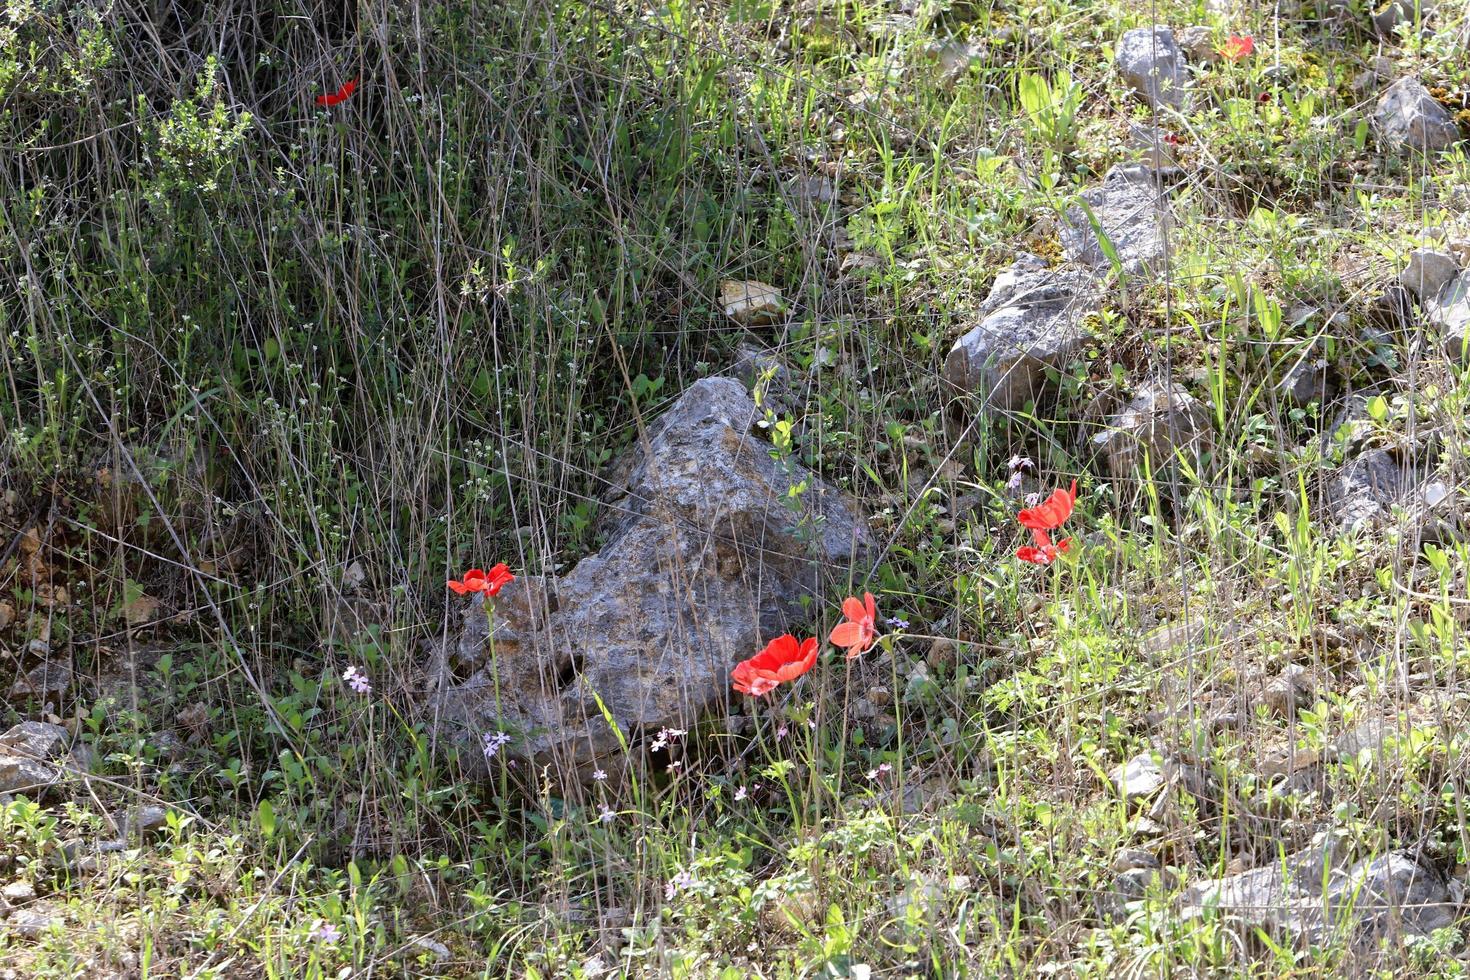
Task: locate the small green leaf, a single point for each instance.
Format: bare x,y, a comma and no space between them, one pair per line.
265,815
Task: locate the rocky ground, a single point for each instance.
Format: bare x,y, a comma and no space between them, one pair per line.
702,320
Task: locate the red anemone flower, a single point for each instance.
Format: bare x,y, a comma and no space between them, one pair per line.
783,660
1050,513
858,633
1042,552
1238,47
341,95
486,583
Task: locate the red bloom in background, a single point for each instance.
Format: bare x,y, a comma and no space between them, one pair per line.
861,629
782,660
477,580
1042,552
1050,513
341,95
1238,47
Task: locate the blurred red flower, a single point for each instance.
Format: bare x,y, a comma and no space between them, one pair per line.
1238,47
341,95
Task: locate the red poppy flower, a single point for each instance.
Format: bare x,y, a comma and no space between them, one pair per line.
1043,552
858,633
781,661
1051,512
341,95
486,583
1238,47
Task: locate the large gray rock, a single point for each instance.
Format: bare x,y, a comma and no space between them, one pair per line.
1031,321
1132,211
1428,271
1308,898
1449,310
1152,64
1160,420
1408,116
707,556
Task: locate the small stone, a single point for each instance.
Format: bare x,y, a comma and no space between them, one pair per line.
1161,419
1393,309
1292,687
433,947
750,302
1198,45
45,682
29,924
1139,778
1152,64
1428,271
18,891
1305,382
7,615
812,189
1409,117
942,653
1131,858
880,695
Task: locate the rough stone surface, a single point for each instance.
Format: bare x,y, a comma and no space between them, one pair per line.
1368,487
45,682
1449,310
1031,320
29,923
1153,145
1152,64
705,559
1305,381
1160,420
1198,44
20,775
763,371
1428,271
18,892
1408,116
35,740
1288,690
1394,895
1139,778
1133,213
